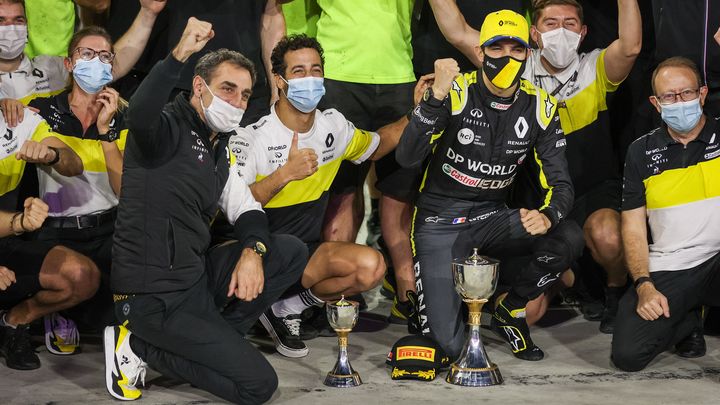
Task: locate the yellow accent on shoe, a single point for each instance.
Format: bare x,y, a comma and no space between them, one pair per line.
387,286
515,313
394,311
117,382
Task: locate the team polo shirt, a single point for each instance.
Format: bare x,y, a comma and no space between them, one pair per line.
367,41
581,90
42,76
680,187
90,192
263,147
33,127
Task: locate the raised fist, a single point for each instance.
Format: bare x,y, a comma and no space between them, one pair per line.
197,33
446,70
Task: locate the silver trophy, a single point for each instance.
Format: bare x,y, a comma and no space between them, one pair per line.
475,279
342,316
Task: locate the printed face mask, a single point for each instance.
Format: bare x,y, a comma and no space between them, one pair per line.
503,72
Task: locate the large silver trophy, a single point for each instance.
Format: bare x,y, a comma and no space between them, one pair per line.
342,316
475,279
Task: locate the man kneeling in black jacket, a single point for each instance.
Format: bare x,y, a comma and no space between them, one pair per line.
185,307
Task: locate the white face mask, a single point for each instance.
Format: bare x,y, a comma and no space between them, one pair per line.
560,47
12,40
220,115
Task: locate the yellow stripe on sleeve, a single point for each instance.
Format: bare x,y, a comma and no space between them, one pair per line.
359,143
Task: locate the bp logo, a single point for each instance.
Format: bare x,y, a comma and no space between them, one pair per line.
465,136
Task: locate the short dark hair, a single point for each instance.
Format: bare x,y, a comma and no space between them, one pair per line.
293,43
89,31
20,2
677,62
206,66
540,5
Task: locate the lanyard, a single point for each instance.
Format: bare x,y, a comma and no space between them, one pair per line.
561,85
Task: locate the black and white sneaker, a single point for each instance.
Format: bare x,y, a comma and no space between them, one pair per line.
285,332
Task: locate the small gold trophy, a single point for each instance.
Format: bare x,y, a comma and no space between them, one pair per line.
475,279
342,316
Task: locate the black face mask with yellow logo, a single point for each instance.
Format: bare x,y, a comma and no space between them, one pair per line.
503,72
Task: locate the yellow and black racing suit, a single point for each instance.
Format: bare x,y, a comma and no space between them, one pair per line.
476,142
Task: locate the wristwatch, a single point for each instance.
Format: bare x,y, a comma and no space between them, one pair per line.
429,97
260,249
642,280
111,136
427,94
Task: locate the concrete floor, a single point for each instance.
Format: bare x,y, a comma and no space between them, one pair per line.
576,370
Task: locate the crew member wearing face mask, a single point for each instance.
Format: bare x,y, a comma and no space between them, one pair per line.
582,83
290,158
23,78
179,172
478,129
82,209
672,188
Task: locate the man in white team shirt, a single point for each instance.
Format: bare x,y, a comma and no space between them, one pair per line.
290,157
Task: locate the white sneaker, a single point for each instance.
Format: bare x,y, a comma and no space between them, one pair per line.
61,335
123,368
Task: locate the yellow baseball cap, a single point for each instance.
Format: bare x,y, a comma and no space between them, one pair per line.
504,24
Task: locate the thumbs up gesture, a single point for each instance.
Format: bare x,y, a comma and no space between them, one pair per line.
301,163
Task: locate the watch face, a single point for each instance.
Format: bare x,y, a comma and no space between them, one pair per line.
427,94
260,248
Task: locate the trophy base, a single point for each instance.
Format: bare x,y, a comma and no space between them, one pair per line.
343,381
474,377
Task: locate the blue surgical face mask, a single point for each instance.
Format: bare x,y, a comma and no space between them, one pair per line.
305,93
682,116
91,75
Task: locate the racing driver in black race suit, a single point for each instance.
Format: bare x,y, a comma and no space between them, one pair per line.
479,128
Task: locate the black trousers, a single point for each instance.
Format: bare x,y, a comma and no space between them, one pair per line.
636,342
441,235
197,335
369,107
95,243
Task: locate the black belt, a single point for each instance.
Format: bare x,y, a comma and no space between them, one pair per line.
81,222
